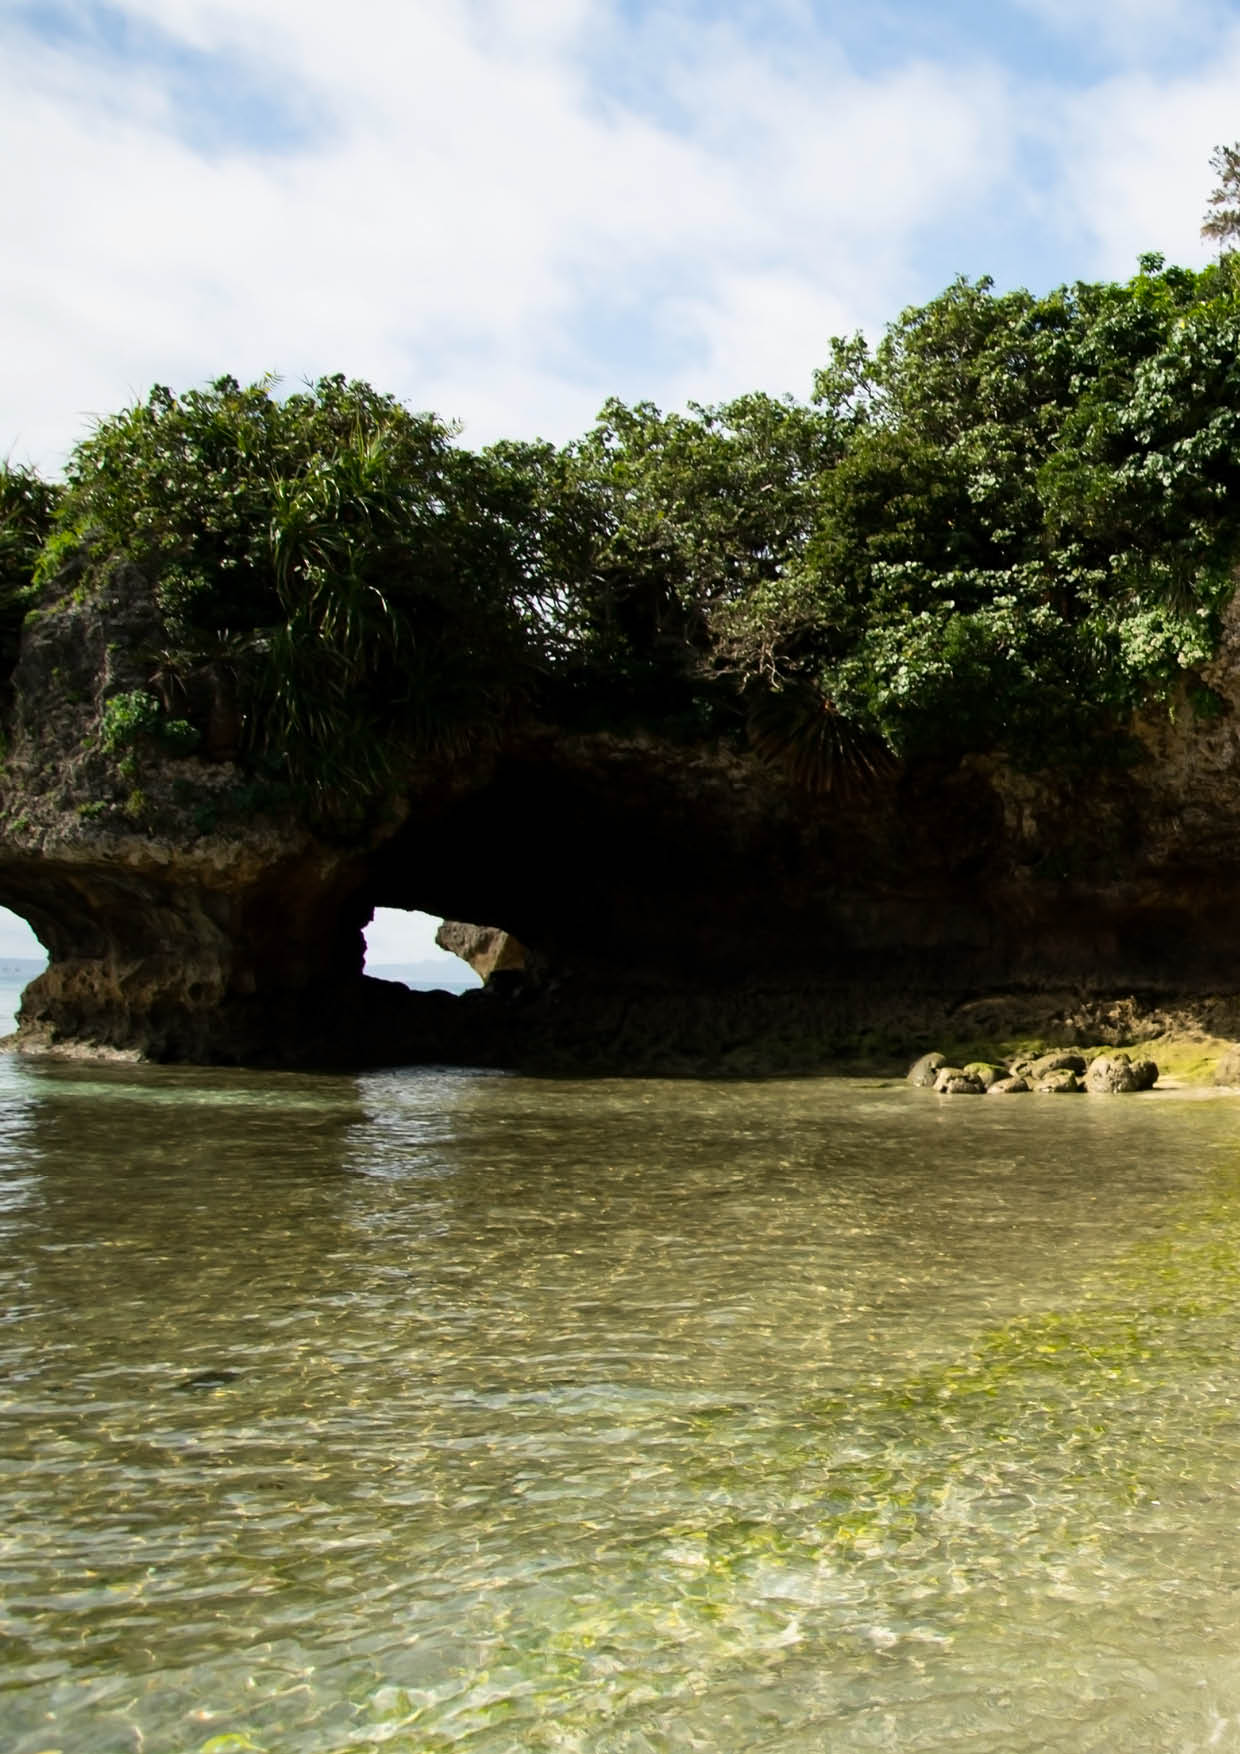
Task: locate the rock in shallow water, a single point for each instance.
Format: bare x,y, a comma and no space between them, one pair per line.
1111,1074
1062,1060
1062,1081
923,1073
1116,1074
1062,1073
955,1081
207,1379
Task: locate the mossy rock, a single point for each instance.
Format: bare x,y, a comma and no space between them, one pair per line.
955,1081
1058,1081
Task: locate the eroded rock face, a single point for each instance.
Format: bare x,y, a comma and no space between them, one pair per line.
181,922
487,949
673,907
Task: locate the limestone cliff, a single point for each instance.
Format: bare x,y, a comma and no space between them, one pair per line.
681,906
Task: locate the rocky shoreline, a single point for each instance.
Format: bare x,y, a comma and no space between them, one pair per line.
1053,1074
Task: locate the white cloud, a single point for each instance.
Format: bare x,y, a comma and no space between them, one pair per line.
759,328
1136,159
476,191
1131,29
394,935
495,209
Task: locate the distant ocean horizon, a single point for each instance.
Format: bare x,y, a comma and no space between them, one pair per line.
23,968
429,976
450,975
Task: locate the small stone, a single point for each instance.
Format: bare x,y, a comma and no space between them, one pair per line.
1146,1074
1011,1086
955,1081
984,1072
1062,1081
1065,1060
923,1072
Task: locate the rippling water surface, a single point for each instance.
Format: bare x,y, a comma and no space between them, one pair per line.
431,1411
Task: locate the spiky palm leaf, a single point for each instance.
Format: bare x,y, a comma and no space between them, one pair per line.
803,733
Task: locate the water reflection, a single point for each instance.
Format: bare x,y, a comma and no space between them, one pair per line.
430,1411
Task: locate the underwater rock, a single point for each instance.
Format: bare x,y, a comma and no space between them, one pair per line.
207,1379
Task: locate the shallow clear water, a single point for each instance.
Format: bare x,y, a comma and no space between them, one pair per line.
432,1411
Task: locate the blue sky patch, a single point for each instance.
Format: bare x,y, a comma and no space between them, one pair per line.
218,103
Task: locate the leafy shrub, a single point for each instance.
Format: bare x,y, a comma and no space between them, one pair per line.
336,557
1004,526
27,511
1034,519
178,736
125,718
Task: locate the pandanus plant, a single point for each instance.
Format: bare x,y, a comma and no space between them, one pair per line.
328,558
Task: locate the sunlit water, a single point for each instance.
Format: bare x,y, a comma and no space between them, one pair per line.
432,1411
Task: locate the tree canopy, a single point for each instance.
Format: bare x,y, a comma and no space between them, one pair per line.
1222,220
1003,527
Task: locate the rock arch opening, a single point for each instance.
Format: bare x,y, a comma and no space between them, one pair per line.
22,959
402,945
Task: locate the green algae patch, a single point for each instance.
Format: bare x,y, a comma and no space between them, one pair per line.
1187,1058
907,1513
1050,1429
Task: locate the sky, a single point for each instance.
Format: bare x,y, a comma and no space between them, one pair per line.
508,210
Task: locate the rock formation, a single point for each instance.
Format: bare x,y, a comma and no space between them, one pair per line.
487,949
681,905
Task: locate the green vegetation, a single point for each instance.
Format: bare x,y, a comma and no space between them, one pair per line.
1186,1057
330,566
126,718
1222,221
1003,528
27,512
